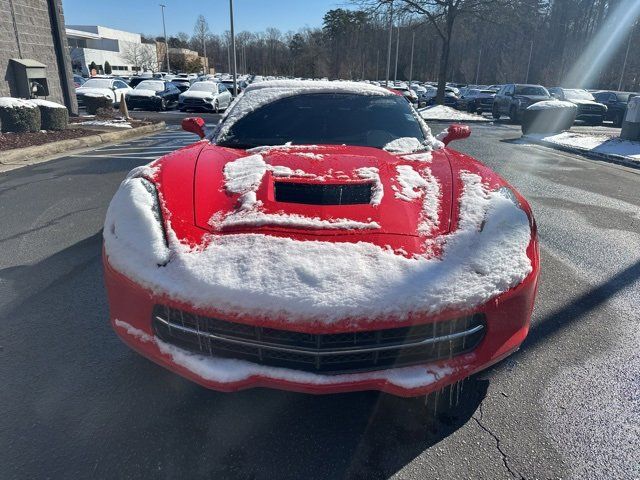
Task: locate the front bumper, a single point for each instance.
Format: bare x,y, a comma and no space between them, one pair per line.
507,324
196,104
144,102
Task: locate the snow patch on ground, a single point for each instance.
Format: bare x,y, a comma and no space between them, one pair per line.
442,112
47,103
226,370
106,123
602,144
325,282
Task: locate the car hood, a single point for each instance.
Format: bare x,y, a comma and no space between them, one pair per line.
102,91
587,102
533,98
142,92
197,94
407,198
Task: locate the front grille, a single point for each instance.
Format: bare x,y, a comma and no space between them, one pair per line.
194,101
323,193
331,353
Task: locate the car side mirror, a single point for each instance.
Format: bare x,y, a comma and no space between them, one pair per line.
456,132
194,125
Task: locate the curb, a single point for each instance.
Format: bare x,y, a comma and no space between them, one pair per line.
49,151
606,157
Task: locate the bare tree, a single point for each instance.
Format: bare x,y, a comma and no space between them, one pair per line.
142,56
200,33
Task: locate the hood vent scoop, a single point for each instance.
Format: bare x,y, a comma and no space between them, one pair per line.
323,193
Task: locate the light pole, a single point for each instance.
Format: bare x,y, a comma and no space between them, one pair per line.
478,66
413,40
386,82
395,73
233,47
529,62
166,40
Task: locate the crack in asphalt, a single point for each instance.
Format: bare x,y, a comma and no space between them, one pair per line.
505,461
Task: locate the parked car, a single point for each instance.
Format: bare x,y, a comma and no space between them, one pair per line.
229,84
297,267
210,96
616,103
182,85
153,95
589,110
78,80
513,99
475,100
450,97
137,79
406,92
190,77
113,88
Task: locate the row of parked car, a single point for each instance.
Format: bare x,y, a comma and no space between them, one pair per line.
594,106
163,91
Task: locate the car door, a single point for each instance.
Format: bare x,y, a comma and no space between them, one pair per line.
501,98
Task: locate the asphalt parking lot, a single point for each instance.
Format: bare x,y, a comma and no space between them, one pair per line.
77,403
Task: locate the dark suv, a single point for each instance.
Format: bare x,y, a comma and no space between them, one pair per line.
616,103
589,110
513,99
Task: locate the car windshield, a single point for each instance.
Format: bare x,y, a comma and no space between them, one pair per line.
203,87
622,96
150,85
326,118
531,90
97,83
576,94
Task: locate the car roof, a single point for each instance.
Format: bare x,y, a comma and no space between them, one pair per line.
319,86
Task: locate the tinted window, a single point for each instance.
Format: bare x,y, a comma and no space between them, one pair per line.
532,90
326,118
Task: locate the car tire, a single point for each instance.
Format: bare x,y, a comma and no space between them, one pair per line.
617,121
513,114
471,108
495,113
163,105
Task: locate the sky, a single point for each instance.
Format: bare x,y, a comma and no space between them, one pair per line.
144,16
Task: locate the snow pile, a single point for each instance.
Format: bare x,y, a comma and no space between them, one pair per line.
106,123
135,232
550,105
320,281
245,218
442,112
377,191
423,186
142,92
418,157
600,144
46,103
404,145
227,370
10,102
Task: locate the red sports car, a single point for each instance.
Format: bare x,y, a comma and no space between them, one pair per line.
320,240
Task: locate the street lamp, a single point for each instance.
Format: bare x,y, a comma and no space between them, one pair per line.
166,40
233,47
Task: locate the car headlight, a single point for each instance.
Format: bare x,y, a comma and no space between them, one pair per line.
209,99
134,224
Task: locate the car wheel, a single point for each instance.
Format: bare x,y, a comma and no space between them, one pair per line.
513,114
617,121
163,104
471,108
495,113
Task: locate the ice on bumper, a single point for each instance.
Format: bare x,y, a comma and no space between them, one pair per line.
319,281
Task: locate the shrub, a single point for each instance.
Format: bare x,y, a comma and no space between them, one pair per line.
18,115
54,116
93,104
548,117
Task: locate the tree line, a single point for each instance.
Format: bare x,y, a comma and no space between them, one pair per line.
464,41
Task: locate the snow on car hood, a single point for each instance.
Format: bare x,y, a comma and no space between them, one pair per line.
326,282
197,94
142,92
104,92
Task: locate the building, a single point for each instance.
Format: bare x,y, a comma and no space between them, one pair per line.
180,59
32,39
125,52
